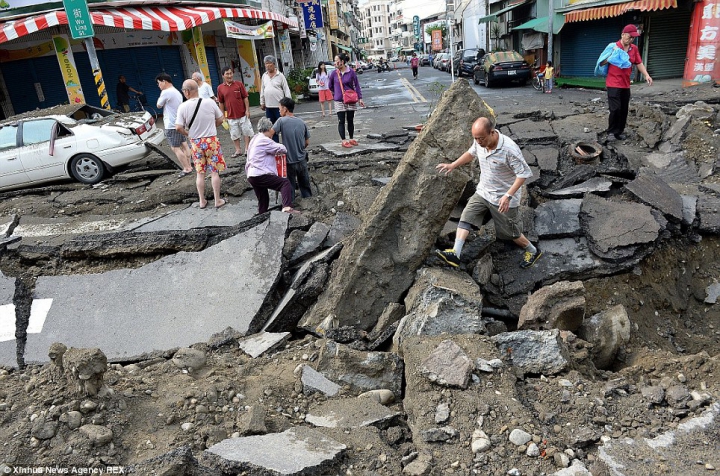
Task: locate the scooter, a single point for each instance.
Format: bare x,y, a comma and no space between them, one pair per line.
383,67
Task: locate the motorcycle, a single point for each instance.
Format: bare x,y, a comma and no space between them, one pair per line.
383,67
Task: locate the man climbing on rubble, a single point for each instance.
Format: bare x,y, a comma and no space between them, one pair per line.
503,171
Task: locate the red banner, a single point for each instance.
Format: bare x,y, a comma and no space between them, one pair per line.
702,64
437,40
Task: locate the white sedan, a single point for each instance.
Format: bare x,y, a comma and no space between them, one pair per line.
86,144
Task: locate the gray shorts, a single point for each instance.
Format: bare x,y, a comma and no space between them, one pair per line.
508,225
175,139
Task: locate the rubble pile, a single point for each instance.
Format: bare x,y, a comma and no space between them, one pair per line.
364,354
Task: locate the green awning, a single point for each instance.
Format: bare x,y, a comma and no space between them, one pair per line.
346,48
541,24
494,16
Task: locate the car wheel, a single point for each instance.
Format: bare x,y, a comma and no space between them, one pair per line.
86,168
486,80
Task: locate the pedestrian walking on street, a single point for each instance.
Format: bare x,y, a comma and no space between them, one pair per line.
295,137
342,79
169,101
619,57
324,93
261,168
273,88
414,63
549,70
198,119
234,104
503,171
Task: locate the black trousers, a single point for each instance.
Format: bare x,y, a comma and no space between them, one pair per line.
619,103
263,183
299,177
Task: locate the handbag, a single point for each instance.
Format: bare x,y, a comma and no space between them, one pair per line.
349,95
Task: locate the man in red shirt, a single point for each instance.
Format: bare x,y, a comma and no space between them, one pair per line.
233,99
618,84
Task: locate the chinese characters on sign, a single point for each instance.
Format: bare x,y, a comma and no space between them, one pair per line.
332,14
312,14
437,40
702,64
416,27
78,17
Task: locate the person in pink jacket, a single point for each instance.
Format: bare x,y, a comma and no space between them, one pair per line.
345,78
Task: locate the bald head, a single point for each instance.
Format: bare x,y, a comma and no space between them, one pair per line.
197,77
482,125
190,88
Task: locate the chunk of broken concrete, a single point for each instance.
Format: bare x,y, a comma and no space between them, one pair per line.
256,345
653,191
594,185
607,331
448,365
382,395
534,352
558,306
708,210
252,421
615,229
187,358
378,263
441,300
313,381
558,218
361,371
85,369
298,450
712,293
350,413
311,242
342,226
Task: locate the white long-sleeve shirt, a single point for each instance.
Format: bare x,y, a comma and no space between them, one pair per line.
272,90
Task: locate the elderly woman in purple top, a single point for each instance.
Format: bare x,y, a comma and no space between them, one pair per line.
343,73
261,169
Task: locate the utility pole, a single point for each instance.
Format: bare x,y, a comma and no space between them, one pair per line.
551,14
450,16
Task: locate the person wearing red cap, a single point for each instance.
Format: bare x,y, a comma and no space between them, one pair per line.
618,83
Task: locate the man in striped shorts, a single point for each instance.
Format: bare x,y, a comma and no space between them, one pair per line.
503,172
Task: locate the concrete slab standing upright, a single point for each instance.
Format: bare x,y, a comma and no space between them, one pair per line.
8,345
379,261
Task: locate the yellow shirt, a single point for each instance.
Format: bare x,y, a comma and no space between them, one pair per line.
548,72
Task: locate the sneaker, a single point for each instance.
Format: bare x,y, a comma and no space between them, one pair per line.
621,136
611,137
450,257
530,258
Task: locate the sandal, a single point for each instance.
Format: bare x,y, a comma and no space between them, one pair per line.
346,144
353,142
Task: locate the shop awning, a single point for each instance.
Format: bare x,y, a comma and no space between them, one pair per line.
494,16
609,11
346,48
143,18
541,24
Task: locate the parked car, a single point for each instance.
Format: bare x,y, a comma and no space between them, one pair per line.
502,67
442,61
424,60
465,60
85,143
313,87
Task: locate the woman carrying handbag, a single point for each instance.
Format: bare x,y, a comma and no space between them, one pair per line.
344,84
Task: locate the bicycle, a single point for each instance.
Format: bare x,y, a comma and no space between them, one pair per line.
138,103
538,77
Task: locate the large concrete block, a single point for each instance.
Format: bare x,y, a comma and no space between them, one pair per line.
378,264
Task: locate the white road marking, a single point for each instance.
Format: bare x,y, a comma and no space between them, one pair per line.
7,322
38,313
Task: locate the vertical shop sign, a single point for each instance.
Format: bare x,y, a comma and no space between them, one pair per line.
704,44
312,15
437,40
285,48
332,14
71,79
416,27
248,65
200,54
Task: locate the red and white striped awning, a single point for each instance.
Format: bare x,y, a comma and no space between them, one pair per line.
143,18
609,11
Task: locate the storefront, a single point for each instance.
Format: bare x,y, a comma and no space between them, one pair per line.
138,43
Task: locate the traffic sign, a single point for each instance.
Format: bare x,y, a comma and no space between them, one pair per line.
78,17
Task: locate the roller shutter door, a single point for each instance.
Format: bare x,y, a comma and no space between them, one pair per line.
211,54
21,76
582,43
667,45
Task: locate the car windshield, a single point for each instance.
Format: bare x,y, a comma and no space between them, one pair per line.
469,55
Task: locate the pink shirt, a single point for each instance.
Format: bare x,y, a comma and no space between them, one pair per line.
261,156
